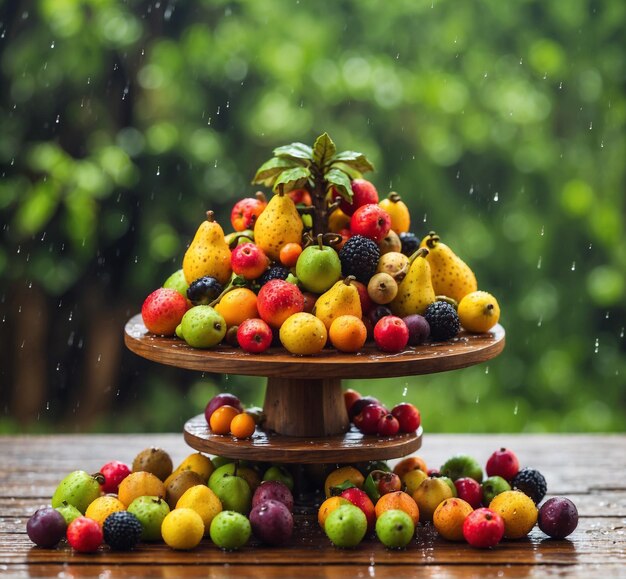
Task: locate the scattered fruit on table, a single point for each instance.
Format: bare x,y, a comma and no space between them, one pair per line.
428,496
84,535
449,517
504,463
154,460
483,528
140,484
274,490
518,512
532,483
182,529
102,507
558,517
395,529
230,530
271,522
150,511
324,222
346,526
46,527
122,531
462,465
79,489
492,487
114,473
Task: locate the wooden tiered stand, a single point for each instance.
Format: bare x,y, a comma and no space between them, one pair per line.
306,420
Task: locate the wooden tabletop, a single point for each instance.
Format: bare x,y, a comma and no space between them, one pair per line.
590,470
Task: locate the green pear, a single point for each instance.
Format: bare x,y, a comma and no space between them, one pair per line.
232,490
150,511
177,282
415,291
78,489
202,327
318,267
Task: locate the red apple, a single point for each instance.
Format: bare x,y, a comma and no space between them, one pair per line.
360,499
114,473
503,463
300,196
483,528
470,491
391,334
361,403
386,482
408,416
350,397
363,193
366,302
371,221
388,425
249,260
367,420
254,335
223,399
277,300
163,310
246,211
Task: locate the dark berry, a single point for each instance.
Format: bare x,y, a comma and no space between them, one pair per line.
410,243
122,531
359,257
532,483
275,272
443,321
202,291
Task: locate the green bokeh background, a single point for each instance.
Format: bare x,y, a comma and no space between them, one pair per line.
502,125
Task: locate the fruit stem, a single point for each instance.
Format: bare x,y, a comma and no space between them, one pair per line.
332,238
421,252
320,240
210,216
433,240
281,190
99,478
261,196
349,279
394,197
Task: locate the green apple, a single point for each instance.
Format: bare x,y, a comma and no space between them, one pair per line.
279,473
395,529
230,530
221,461
177,282
150,511
78,489
449,482
492,486
462,465
232,490
318,267
346,526
203,327
68,512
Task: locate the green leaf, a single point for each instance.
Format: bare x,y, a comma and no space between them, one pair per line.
268,171
351,172
354,159
292,179
295,150
323,150
341,182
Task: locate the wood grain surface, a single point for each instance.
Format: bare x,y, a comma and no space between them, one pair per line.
588,469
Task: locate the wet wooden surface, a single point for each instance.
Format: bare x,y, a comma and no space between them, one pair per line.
590,470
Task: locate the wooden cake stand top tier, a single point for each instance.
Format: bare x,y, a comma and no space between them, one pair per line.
464,350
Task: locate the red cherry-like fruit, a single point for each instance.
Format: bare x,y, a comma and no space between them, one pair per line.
360,499
388,425
350,397
408,416
470,491
277,300
368,419
254,335
391,334
483,528
245,212
222,399
163,310
361,403
371,221
248,260
363,193
114,473
503,463
84,535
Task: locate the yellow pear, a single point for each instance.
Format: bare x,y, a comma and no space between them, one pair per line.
278,224
415,291
208,253
340,300
451,276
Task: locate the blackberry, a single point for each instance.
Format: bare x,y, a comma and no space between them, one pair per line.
204,290
410,243
359,257
532,483
275,272
121,530
443,321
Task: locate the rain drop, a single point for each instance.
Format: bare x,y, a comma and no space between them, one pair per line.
573,268
48,405
560,85
542,231
404,392
52,44
487,370
606,317
227,104
539,263
425,217
471,190
477,398
158,171
515,409
69,318
602,144
596,346
58,366
540,321
99,358
496,197
591,125
621,334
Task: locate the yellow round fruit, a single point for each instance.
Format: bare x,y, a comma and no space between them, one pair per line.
140,484
197,462
479,312
182,529
102,507
337,221
341,475
204,501
328,506
303,334
413,479
398,211
518,511
449,517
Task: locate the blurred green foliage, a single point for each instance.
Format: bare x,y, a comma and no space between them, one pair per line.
502,124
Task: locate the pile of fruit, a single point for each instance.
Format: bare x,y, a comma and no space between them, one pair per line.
325,260
228,502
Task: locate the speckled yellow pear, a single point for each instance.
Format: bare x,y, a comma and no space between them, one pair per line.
415,291
340,300
208,253
279,224
451,276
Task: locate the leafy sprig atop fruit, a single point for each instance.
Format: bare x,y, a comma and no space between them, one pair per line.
320,169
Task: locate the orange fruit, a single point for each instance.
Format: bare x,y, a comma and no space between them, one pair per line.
222,417
140,484
341,475
347,333
238,305
289,254
449,517
518,511
328,506
337,221
408,464
102,507
242,425
398,500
